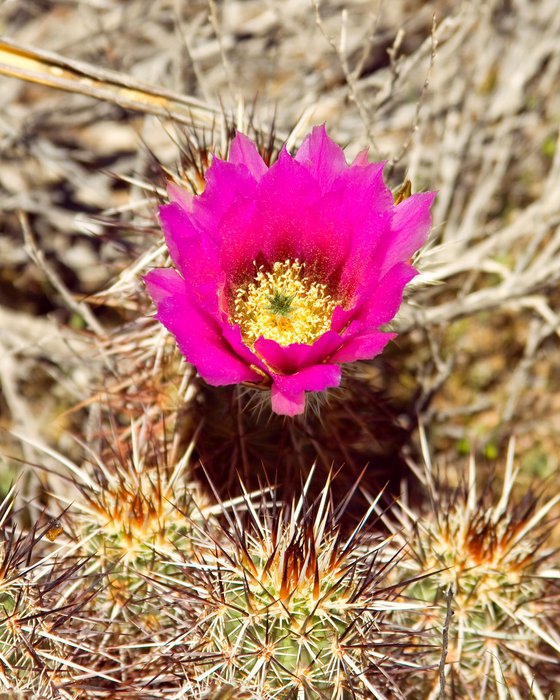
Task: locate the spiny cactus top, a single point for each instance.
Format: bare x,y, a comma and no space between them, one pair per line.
283,273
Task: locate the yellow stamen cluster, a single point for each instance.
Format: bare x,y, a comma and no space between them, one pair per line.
284,304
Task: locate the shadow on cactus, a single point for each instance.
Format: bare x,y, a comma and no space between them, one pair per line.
285,606
360,434
494,574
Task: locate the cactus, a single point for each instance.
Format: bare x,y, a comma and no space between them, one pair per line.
30,583
490,594
130,510
286,606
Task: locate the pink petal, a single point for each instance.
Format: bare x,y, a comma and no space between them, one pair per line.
361,160
233,336
198,335
180,195
280,218
293,358
286,405
317,378
241,238
287,195
328,240
341,318
163,283
288,392
226,185
244,152
321,156
363,347
383,301
361,203
194,254
360,268
178,230
365,186
410,228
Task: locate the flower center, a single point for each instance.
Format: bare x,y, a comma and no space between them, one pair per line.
284,305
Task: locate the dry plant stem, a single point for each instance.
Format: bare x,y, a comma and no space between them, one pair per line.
32,337
25,341
48,68
531,274
538,332
406,145
214,20
371,37
18,410
340,51
38,258
188,49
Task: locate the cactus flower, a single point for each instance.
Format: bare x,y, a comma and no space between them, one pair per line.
284,273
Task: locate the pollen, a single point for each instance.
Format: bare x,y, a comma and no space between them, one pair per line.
286,304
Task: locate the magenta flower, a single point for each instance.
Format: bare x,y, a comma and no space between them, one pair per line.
284,273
